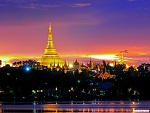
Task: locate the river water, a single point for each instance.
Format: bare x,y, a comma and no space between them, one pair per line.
75,106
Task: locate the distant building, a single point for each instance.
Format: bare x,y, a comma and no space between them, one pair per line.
0,63
76,65
50,57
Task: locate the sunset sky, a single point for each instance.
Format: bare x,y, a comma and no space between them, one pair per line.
81,28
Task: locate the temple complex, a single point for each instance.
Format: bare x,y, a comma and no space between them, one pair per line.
50,57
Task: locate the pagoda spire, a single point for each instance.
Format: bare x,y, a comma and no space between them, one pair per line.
50,38
50,54
50,28
50,44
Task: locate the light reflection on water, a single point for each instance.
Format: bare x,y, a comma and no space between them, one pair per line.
75,106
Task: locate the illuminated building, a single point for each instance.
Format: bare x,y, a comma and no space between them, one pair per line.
50,57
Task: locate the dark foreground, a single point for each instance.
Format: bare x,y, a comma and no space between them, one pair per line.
19,84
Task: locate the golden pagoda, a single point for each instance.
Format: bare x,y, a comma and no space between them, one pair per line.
50,57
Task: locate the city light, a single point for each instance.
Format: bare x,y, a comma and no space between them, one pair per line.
70,65
78,81
27,68
111,64
33,91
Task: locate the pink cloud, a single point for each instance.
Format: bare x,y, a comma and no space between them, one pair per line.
81,4
35,6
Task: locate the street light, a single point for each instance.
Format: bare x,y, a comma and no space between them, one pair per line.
27,68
